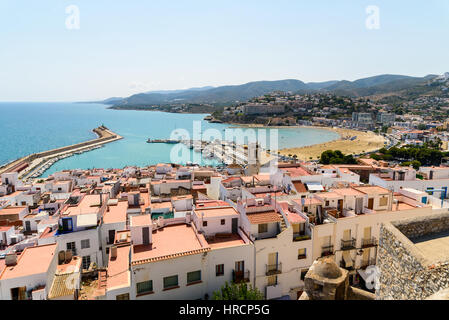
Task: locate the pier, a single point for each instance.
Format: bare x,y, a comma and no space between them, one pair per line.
226,152
34,165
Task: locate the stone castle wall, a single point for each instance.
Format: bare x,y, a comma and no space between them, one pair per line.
405,273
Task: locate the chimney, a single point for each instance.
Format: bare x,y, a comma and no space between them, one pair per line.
113,252
11,259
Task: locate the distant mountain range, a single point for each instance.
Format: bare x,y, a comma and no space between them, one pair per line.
377,85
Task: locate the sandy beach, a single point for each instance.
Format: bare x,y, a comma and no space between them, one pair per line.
365,142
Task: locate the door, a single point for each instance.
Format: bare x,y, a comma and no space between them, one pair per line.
358,205
239,266
367,233
340,205
111,236
272,261
365,257
235,225
347,235
27,226
146,236
371,203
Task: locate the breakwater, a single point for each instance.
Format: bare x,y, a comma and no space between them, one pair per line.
30,165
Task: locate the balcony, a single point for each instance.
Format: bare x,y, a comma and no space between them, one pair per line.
348,244
240,276
327,250
273,269
367,243
301,237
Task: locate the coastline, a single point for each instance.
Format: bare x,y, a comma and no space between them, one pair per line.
364,143
43,160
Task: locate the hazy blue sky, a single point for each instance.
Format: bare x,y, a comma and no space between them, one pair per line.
125,47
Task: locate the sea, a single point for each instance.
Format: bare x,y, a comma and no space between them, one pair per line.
27,128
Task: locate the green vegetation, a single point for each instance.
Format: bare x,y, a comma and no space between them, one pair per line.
336,157
235,291
427,155
415,164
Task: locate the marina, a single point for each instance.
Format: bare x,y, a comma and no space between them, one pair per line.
226,152
34,165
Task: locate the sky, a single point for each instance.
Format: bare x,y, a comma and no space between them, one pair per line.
120,48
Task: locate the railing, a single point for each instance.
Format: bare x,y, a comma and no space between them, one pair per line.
348,244
272,269
301,237
366,243
240,276
327,250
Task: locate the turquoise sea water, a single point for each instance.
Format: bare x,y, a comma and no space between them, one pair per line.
33,127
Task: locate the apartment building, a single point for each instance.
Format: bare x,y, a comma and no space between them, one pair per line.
79,228
180,258
426,179
282,244
28,276
346,222
114,219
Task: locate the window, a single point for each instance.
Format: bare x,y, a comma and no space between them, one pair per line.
272,280
302,254
383,201
124,296
71,246
263,228
86,262
204,223
194,276
219,270
85,244
327,204
303,274
223,222
170,282
67,224
144,287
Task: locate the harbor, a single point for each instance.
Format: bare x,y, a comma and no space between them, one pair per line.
226,152
34,165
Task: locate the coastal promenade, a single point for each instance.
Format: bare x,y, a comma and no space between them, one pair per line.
32,164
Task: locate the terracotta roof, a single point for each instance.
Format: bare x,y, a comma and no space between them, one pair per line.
372,190
116,213
33,260
263,217
141,220
11,210
118,268
170,242
216,212
300,187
